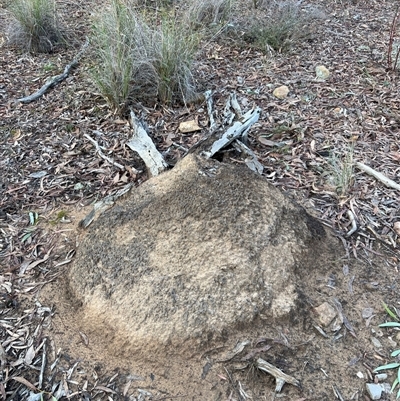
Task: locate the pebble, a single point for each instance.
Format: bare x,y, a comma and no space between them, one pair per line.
392,343
374,391
381,376
322,72
281,92
376,342
325,314
367,312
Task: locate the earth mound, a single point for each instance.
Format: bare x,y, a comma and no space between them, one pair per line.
190,257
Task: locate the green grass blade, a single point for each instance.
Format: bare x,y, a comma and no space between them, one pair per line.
395,353
398,375
392,365
390,312
395,383
390,324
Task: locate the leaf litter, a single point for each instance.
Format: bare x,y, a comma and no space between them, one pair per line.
47,164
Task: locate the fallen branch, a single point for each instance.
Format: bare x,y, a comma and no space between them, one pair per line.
281,378
55,80
379,176
251,161
102,155
144,146
239,128
103,205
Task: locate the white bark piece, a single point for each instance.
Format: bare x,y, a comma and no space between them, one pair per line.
239,128
281,378
144,146
379,176
208,97
251,161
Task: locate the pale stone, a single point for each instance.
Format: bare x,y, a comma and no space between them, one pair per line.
322,72
281,92
396,227
376,342
325,314
189,126
381,376
374,391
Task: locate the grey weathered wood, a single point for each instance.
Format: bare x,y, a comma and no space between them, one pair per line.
239,128
141,143
281,378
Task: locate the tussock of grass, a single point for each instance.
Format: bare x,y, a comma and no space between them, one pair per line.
201,14
142,60
35,26
342,172
115,34
285,24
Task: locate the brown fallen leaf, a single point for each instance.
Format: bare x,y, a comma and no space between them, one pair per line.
25,383
30,354
267,142
105,389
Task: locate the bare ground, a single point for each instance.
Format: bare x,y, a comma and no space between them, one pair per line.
48,167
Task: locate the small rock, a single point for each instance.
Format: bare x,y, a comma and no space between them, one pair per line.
374,391
367,312
322,72
281,92
376,342
360,375
189,126
386,387
325,314
381,376
396,227
392,343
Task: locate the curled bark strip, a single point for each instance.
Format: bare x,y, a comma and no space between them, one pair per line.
55,80
353,223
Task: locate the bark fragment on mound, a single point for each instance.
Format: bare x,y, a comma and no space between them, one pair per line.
194,254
